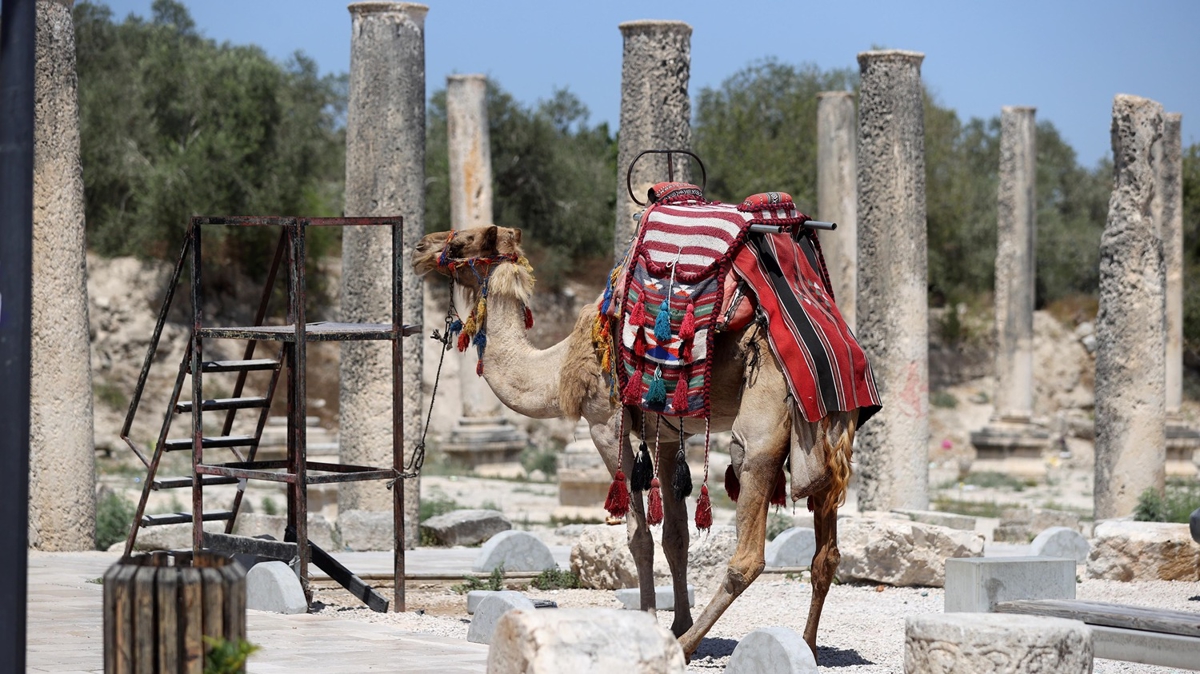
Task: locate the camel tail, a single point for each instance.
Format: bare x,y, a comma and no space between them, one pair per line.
838,432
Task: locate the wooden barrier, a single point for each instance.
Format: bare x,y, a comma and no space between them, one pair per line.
158,609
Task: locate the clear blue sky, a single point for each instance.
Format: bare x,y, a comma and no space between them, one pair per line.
1066,57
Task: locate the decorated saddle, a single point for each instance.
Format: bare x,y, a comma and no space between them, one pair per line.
695,269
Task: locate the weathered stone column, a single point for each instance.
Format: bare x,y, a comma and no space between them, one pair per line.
1130,335
482,436
1182,439
655,112
385,175
62,462
893,309
1011,443
837,194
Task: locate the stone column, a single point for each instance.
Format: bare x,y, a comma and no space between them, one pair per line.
1011,443
62,465
1130,335
482,436
892,311
837,194
1182,439
655,112
385,175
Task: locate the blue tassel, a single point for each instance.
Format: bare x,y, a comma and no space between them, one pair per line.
607,300
481,341
657,395
456,326
662,324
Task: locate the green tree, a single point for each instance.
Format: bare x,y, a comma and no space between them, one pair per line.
174,125
552,176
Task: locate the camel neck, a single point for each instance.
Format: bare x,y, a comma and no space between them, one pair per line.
522,376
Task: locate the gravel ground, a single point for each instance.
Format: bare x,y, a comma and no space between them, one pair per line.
862,626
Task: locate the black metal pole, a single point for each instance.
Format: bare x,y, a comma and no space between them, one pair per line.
16,251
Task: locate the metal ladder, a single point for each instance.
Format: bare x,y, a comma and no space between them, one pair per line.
243,447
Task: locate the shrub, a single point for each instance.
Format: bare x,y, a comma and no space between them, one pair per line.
555,579
1175,504
114,516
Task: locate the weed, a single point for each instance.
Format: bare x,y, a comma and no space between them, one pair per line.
111,395
489,505
943,399
1174,505
777,523
114,516
269,507
227,656
557,521
436,503
994,480
555,579
494,582
971,508
544,459
96,581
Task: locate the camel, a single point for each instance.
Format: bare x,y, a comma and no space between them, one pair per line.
749,396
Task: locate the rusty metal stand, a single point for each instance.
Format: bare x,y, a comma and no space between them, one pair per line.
296,471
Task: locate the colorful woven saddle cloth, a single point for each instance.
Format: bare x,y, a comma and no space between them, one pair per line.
671,290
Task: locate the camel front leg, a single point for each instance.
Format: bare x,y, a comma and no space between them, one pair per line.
641,544
758,481
675,538
824,563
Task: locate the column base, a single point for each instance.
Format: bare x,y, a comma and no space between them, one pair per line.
1182,443
583,478
1011,446
476,442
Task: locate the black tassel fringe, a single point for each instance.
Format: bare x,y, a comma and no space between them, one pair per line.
682,484
643,470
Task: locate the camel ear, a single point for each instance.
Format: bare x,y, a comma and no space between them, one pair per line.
517,236
491,235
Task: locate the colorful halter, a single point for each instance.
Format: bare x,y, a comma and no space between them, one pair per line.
474,331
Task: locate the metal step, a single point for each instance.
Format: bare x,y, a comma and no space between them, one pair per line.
180,444
185,406
237,365
184,482
184,518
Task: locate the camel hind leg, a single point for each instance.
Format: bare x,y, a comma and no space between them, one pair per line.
675,537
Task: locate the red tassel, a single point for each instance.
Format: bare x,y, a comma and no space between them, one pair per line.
779,497
679,401
654,513
528,318
617,503
639,344
732,486
638,317
464,340
479,368
703,510
687,329
632,393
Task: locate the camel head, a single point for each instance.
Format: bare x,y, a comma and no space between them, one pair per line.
455,252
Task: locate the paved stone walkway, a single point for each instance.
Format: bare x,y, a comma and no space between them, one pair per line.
65,631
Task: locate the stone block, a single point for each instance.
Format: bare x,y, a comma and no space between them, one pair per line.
901,552
794,547
362,530
515,551
1020,525
772,650
168,537
490,610
708,557
1127,551
581,640
941,519
320,530
664,597
601,558
975,585
465,527
1062,542
475,597
274,587
996,643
